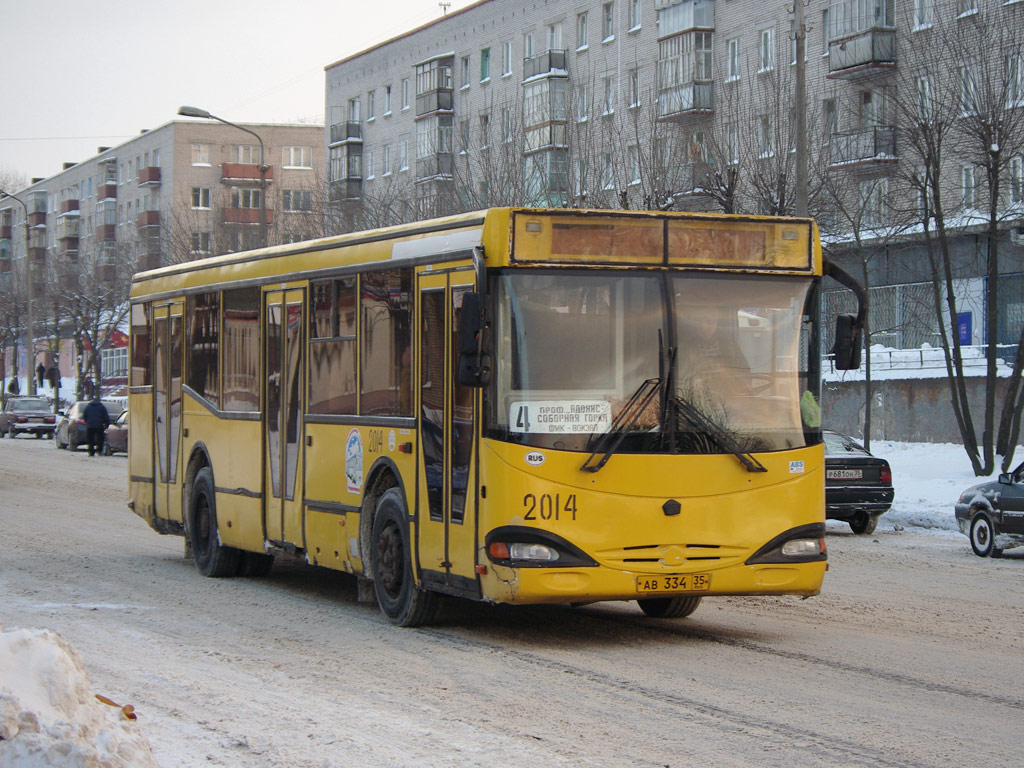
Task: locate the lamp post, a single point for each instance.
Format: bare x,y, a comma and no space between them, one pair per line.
202,113
30,329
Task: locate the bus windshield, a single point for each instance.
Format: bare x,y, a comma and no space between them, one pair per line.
729,355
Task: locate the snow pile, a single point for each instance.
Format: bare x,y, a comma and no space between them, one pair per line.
927,362
48,714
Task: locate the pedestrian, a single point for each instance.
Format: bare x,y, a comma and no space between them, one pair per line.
96,421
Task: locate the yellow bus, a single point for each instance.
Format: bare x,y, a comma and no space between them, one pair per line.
514,406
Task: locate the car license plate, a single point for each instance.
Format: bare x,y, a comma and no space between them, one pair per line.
37,419
674,582
843,474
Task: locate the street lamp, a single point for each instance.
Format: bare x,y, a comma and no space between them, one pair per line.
202,113
30,329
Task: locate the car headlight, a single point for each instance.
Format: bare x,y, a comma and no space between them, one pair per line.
522,547
803,544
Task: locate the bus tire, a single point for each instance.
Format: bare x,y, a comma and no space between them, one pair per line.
394,583
211,558
254,564
669,607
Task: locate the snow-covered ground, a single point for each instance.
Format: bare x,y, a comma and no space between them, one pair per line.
50,717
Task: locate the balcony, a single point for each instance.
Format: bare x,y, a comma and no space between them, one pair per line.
551,136
547,63
149,177
869,148
148,219
38,256
5,231
148,261
68,207
246,216
438,100
434,166
243,172
5,265
346,189
37,219
106,192
105,233
686,100
67,246
862,54
345,133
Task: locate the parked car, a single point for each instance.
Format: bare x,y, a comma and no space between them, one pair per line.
991,514
858,486
31,415
115,439
70,432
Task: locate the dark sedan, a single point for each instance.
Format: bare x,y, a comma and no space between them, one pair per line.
26,415
991,514
858,486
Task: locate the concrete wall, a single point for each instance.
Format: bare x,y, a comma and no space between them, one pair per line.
912,410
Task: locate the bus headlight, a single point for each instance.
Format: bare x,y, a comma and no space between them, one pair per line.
804,544
521,547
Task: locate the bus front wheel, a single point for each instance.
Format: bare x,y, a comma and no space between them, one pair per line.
211,558
669,607
394,584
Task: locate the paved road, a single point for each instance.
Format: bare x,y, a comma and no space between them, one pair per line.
911,657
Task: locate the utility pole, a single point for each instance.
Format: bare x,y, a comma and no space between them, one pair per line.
30,330
800,33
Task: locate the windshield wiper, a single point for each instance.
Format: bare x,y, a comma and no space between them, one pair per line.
627,418
721,436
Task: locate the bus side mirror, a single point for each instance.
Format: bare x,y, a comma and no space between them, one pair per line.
474,362
847,347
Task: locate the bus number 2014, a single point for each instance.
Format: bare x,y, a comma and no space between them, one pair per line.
546,506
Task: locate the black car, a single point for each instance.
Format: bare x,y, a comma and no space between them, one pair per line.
858,486
27,415
991,514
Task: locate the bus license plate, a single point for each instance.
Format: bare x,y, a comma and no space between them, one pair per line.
684,582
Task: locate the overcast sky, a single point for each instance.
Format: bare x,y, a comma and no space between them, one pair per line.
79,75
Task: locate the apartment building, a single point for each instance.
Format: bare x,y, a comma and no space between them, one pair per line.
183,190
690,104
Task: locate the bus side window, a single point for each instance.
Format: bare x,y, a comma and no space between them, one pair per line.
141,373
332,362
241,350
386,343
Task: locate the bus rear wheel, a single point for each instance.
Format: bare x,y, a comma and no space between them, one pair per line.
669,607
211,558
394,583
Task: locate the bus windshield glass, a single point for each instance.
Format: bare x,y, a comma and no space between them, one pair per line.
729,356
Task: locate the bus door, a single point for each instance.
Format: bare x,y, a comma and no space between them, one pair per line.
167,354
446,513
282,427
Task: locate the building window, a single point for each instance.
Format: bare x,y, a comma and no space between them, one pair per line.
506,58
1015,80
506,125
732,143
581,31
464,72
485,65
608,102
767,49
371,105
968,186
1017,179
353,110
200,242
733,61
824,32
968,91
873,194
369,164
831,115
968,7
405,93
922,14
582,102
200,156
634,164
634,14
764,136
245,198
463,136
555,36
925,100
297,157
608,21
386,160
528,45
248,154
201,198
387,99
403,155
634,88
607,179
297,200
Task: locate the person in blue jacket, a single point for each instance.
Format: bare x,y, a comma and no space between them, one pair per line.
96,421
